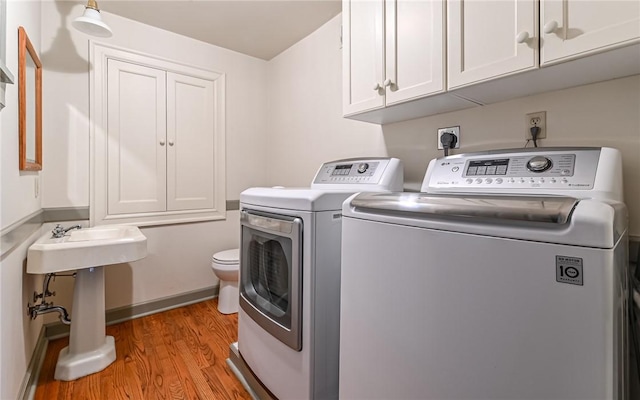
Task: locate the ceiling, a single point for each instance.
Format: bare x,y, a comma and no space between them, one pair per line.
259,28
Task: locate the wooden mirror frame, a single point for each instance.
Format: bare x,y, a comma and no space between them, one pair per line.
25,47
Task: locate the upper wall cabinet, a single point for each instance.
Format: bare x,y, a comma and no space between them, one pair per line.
489,39
573,28
393,51
496,50
158,141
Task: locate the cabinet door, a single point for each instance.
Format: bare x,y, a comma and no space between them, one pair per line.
363,55
574,27
489,39
414,49
136,135
191,112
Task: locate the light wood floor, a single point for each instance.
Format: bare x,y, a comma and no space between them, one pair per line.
177,354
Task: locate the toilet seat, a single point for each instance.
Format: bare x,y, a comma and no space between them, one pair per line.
227,257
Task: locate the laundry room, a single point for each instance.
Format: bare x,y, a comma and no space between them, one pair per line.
323,108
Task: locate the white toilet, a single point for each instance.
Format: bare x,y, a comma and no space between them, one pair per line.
226,266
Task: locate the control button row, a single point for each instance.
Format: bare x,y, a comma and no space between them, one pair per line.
350,178
512,180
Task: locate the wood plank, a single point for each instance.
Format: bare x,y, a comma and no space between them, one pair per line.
66,390
122,382
177,354
87,388
223,331
171,335
199,380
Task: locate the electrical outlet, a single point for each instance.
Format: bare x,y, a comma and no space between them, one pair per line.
538,119
452,129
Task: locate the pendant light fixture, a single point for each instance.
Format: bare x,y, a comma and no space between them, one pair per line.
91,23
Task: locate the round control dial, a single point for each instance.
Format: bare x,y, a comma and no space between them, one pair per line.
539,164
362,168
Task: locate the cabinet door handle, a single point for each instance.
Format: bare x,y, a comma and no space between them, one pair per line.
522,37
376,87
161,142
387,82
170,142
550,27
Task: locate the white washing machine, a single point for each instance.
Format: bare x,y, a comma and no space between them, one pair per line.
505,279
288,323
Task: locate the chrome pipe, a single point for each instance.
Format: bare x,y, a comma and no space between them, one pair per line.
40,309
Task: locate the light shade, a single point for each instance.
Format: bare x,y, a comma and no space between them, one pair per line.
91,23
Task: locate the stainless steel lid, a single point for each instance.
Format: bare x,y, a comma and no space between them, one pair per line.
550,209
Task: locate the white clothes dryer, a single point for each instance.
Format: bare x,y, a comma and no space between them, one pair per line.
288,323
506,278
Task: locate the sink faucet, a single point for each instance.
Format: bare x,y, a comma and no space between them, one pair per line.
59,231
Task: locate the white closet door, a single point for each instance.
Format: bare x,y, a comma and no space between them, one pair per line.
577,27
191,114
136,136
489,39
414,49
363,55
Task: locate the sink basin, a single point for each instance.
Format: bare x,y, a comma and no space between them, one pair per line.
87,247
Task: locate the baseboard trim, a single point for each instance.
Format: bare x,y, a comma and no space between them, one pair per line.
30,380
232,205
57,329
126,313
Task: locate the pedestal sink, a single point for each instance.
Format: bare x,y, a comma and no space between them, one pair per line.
86,251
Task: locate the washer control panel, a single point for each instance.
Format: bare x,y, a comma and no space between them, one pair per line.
535,169
550,165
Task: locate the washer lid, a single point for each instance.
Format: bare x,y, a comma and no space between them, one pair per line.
227,256
590,223
553,209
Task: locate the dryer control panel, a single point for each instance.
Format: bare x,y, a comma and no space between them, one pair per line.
360,174
527,171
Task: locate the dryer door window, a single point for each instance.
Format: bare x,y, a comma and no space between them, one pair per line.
270,274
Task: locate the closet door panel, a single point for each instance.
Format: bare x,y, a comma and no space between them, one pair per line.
191,115
136,136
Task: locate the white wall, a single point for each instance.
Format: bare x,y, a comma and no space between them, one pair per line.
306,127
18,334
18,194
179,255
